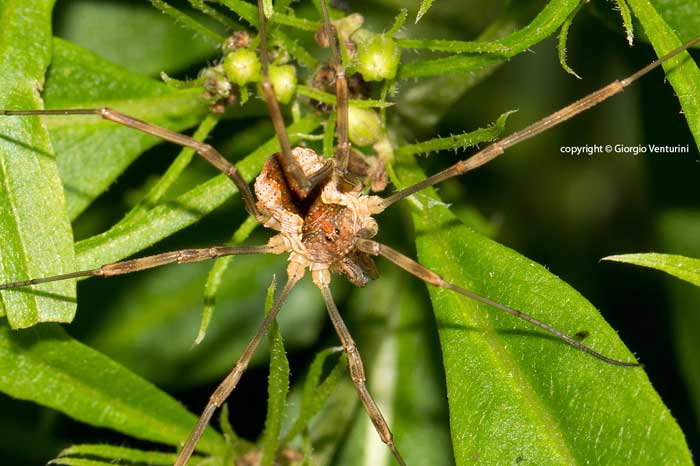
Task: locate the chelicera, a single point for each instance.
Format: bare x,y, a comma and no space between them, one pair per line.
323,220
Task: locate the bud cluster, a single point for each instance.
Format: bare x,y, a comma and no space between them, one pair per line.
374,57
227,81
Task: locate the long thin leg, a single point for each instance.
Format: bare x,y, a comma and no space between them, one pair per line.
142,263
357,373
427,275
304,183
497,148
227,386
341,94
206,151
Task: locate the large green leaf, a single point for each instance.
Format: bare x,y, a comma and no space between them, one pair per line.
47,366
36,235
94,152
685,268
683,15
516,395
108,28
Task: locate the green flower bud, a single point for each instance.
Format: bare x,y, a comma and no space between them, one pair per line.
284,81
349,24
242,67
364,126
378,58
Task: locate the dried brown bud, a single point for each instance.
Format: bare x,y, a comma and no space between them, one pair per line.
321,37
237,40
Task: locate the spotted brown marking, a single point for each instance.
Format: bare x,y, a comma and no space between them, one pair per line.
318,228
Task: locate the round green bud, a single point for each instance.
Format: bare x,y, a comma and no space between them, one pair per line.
378,58
364,126
284,81
242,67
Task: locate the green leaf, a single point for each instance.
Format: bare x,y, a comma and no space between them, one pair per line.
399,21
454,46
547,21
424,7
561,44
94,152
423,107
36,237
515,394
157,192
682,15
626,20
685,268
457,141
110,452
216,275
47,366
105,27
190,23
79,462
316,392
681,71
277,387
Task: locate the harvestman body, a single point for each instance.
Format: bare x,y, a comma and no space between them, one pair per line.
323,221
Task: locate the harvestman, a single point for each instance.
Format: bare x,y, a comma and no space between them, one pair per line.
323,221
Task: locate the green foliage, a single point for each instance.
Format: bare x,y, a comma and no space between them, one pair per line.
110,453
513,394
110,39
424,7
626,19
457,141
685,268
36,235
216,275
563,37
277,388
546,22
49,367
95,152
315,391
526,381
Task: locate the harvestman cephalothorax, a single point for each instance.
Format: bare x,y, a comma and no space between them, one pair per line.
323,221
